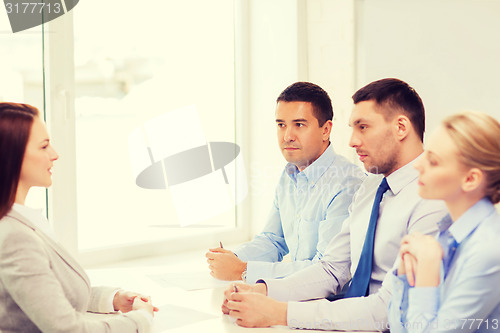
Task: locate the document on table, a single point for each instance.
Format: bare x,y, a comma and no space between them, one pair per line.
173,316
188,280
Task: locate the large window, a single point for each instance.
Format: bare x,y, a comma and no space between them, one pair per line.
144,115
135,64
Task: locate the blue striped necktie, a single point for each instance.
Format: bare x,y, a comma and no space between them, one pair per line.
361,279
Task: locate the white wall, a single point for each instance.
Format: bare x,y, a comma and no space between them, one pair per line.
295,40
447,49
331,61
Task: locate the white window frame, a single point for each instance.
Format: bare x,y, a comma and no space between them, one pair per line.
60,102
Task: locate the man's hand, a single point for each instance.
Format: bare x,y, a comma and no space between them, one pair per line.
256,310
124,301
259,288
224,264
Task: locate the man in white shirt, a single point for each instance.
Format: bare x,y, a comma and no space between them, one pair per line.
388,123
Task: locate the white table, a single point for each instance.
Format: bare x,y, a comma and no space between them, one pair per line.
181,310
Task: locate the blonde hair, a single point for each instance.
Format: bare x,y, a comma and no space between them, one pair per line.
477,136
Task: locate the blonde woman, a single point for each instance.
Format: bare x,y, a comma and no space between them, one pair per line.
452,283
42,288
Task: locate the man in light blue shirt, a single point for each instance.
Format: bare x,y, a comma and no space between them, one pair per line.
311,200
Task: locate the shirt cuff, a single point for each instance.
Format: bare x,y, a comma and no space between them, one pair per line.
399,300
146,315
424,300
276,289
304,315
258,270
241,253
400,285
299,316
110,305
142,318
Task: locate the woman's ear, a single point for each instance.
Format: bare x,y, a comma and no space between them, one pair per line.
473,180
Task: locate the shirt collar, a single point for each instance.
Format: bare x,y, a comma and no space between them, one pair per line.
314,171
36,217
402,177
468,222
445,223
31,214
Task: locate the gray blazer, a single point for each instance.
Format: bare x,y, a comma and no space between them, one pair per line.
43,288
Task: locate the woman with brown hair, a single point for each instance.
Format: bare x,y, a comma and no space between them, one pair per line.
42,287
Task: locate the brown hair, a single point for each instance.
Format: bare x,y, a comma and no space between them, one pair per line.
15,128
393,96
312,93
477,136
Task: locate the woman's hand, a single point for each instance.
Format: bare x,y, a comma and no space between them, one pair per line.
125,301
421,257
144,303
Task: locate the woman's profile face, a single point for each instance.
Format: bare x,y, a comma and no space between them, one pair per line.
441,172
38,158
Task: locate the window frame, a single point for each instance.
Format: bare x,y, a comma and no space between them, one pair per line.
60,106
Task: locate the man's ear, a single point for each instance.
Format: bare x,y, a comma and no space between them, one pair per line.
472,180
403,126
327,130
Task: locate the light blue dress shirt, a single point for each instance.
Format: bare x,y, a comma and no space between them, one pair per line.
468,297
308,211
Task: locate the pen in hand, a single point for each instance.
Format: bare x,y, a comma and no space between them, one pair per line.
221,245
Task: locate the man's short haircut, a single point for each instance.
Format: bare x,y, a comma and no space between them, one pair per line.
312,93
394,96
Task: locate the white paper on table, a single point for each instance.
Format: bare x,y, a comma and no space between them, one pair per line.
188,280
173,316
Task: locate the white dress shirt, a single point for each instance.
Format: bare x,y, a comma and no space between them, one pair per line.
401,212
36,217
